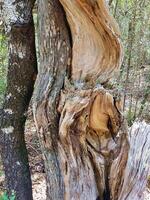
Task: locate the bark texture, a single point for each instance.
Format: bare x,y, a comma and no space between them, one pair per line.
83,133
20,82
54,47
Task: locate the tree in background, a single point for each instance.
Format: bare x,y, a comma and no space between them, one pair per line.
20,82
134,19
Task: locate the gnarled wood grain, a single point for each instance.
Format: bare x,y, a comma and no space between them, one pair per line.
87,145
83,133
97,50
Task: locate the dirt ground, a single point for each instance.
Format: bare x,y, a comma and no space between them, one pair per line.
36,162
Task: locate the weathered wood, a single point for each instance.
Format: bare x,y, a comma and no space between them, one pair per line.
97,50
90,119
20,83
87,146
54,49
82,131
137,168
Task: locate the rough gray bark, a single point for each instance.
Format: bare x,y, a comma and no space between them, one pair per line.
20,82
54,49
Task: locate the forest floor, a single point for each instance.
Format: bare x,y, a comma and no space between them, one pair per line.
37,166
36,161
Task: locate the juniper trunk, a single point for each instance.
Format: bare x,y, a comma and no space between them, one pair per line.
84,138
20,82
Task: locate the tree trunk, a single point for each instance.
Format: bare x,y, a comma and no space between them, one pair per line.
20,82
110,2
54,50
115,9
131,37
83,135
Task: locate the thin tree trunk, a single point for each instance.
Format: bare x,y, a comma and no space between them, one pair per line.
116,6
131,34
145,98
130,114
135,108
20,82
110,2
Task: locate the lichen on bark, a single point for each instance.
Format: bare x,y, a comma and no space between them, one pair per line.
22,68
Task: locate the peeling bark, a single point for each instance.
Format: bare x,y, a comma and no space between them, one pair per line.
82,131
20,82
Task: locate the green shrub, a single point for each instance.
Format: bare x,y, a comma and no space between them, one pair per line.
5,196
130,118
3,65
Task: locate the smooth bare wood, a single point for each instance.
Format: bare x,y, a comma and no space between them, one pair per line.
97,50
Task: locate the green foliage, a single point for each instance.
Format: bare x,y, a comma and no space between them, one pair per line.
3,65
5,196
133,17
130,118
1,172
